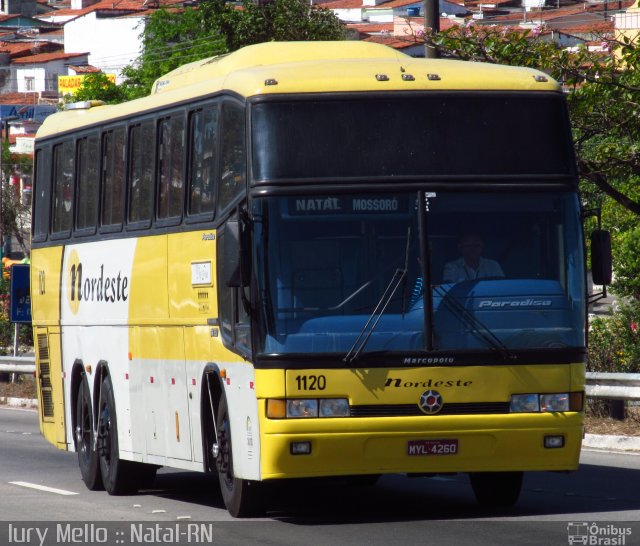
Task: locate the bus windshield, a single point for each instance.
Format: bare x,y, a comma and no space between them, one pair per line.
503,270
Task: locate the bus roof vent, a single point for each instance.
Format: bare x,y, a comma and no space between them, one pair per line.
83,105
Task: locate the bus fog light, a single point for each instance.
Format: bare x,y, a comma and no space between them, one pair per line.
300,448
524,403
334,407
302,408
554,402
551,442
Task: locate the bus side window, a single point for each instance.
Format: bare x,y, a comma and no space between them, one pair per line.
141,149
234,161
63,162
87,188
203,161
113,171
171,167
41,189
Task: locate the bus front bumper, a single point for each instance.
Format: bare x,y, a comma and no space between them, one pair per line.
430,444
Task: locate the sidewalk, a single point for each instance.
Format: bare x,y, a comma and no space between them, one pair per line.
24,403
612,443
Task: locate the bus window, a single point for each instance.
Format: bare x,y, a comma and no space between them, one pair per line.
63,187
87,192
113,152
234,159
204,140
41,195
141,174
171,168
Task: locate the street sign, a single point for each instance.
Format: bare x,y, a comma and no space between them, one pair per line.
20,310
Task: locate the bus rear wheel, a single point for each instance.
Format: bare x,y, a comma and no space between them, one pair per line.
85,446
241,497
496,489
118,476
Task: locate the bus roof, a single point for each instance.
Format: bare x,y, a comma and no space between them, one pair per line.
308,67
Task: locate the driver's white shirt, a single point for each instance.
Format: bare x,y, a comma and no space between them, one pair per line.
458,270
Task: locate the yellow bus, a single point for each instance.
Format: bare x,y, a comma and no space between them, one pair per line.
229,275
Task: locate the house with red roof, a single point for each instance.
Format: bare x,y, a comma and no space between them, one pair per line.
109,30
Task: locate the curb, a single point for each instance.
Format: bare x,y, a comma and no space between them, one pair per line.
612,442
26,403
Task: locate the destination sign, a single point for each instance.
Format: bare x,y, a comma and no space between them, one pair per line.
324,205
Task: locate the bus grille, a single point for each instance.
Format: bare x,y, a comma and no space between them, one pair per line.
43,347
408,410
46,395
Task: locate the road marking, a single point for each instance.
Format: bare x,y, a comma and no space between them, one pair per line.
43,488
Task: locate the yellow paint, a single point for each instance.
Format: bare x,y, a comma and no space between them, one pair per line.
148,295
70,84
304,67
344,446
45,282
195,302
406,385
357,446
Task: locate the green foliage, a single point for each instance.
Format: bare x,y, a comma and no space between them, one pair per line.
15,215
171,38
614,341
97,86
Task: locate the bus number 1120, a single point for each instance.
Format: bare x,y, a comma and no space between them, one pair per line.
311,382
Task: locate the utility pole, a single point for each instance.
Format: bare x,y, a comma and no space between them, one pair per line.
431,21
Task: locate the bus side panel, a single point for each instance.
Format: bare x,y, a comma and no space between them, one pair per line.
45,300
51,400
94,310
191,275
239,387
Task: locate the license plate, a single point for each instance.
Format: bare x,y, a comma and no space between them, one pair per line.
432,447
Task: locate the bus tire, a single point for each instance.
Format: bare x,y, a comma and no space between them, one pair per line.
118,476
241,497
85,445
496,489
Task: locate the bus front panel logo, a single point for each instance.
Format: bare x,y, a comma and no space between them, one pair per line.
430,402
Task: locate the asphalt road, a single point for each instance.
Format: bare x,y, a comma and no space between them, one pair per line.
399,510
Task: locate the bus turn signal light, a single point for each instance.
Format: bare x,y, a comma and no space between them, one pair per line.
276,409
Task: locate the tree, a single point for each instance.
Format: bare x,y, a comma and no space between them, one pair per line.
604,105
97,86
173,38
15,215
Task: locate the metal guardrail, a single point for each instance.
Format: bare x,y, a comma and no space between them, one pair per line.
613,386
17,364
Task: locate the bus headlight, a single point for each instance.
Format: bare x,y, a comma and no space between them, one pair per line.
546,403
302,408
524,403
334,407
554,402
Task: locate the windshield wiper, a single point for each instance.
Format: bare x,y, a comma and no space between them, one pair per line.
398,277
475,325
362,340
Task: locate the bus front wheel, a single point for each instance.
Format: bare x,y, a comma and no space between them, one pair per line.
85,446
497,489
241,497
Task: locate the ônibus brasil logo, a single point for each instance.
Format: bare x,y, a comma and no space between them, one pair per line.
94,285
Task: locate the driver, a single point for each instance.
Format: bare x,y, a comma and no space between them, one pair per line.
471,265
